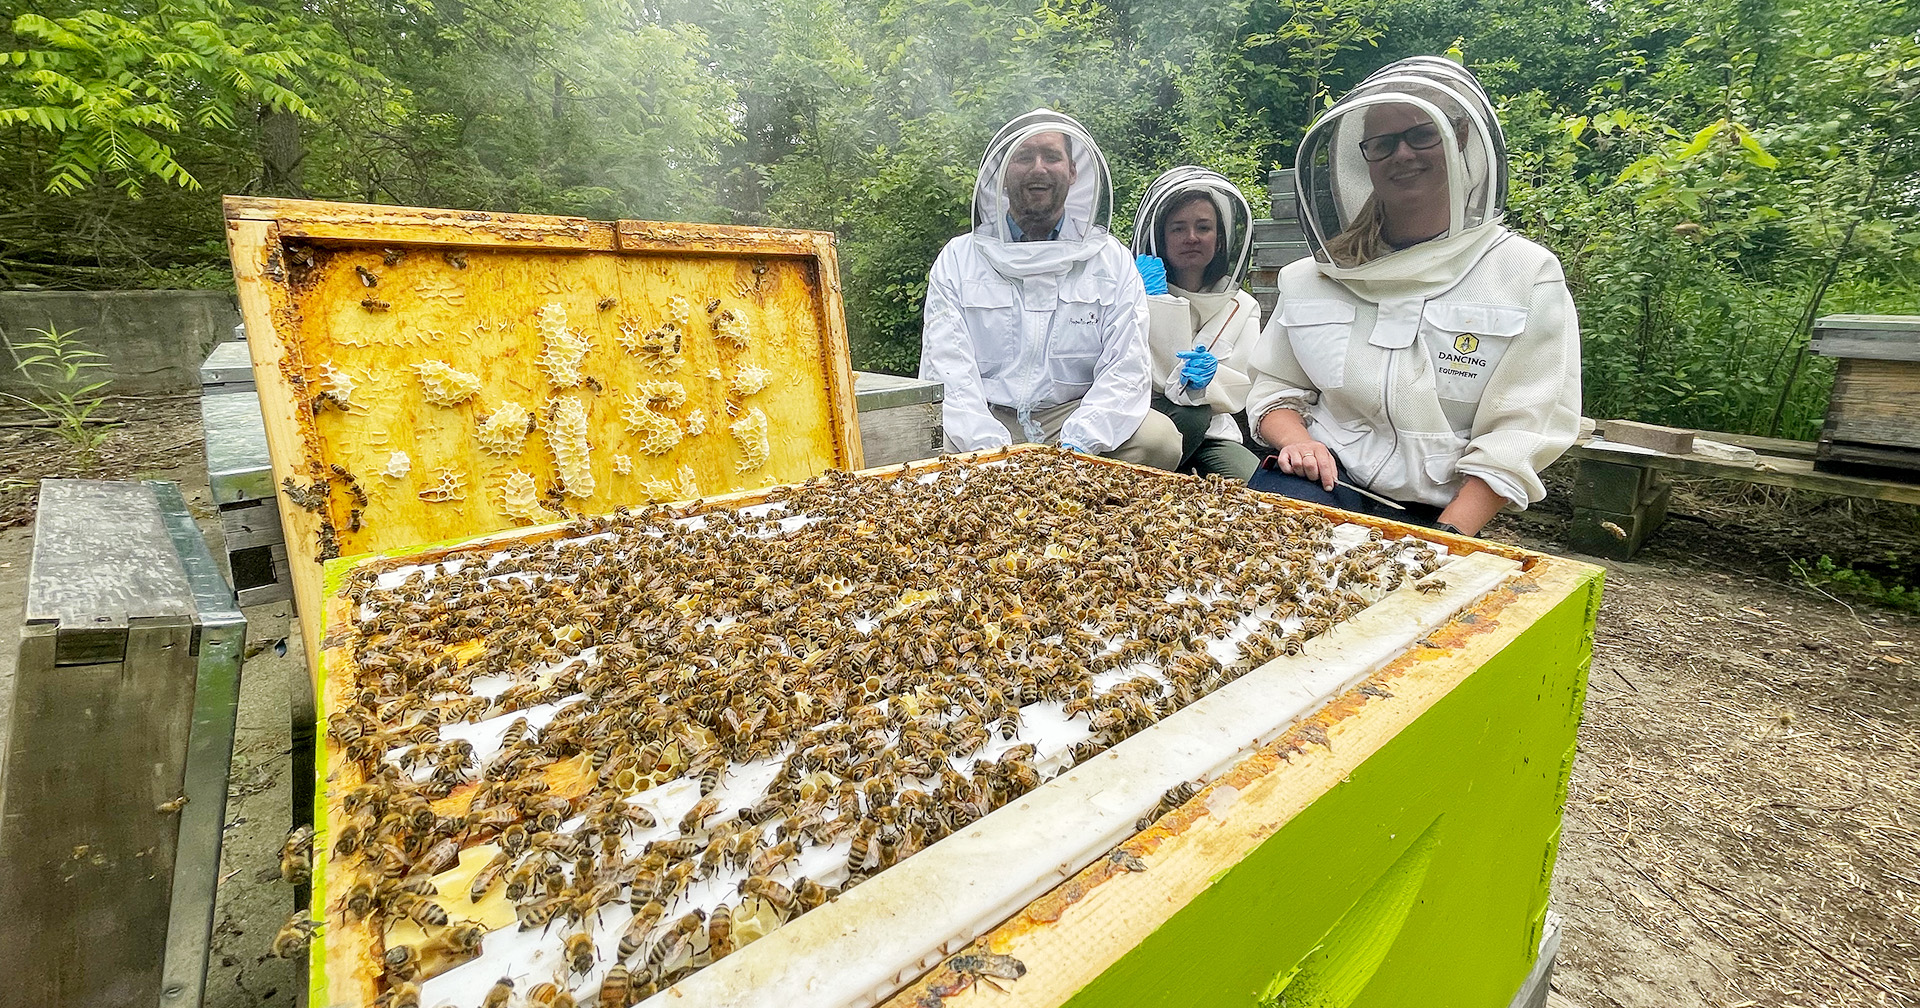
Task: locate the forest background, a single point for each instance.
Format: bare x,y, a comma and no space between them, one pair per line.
1713,173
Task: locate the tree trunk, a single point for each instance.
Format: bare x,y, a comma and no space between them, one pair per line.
280,154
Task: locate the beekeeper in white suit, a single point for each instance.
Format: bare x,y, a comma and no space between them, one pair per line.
1193,238
1424,353
1035,321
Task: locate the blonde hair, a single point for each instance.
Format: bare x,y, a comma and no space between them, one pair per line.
1364,239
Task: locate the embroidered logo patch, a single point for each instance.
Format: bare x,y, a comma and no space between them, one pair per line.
1466,343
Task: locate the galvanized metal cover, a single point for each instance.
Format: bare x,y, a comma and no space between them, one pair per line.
873,391
103,556
228,364
238,467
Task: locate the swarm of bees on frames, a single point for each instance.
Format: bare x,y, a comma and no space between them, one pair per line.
875,637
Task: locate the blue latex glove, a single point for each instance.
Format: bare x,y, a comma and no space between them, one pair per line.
1199,368
1153,273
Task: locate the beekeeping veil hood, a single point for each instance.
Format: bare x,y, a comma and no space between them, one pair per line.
1414,221
1088,208
1235,248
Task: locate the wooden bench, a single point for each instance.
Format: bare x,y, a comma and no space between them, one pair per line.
1620,494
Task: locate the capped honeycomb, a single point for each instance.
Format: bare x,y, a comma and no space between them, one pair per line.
562,347
751,432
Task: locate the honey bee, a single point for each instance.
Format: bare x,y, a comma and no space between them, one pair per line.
421,910
291,941
359,900
616,989
296,855
404,995
720,933
488,876
696,816
678,938
536,913
458,260
778,896
375,304
499,994
402,962
579,953
644,920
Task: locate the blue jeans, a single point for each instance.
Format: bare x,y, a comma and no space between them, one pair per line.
1267,479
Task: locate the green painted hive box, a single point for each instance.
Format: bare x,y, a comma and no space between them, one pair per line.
1377,826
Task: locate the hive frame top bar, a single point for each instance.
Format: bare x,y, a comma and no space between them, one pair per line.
321,221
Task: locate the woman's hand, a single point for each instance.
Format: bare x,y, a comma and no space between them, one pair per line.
1300,454
1309,460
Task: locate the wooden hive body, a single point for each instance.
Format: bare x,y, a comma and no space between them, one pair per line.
1381,817
383,337
1871,421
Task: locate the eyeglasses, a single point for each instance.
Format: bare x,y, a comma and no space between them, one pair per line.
1380,148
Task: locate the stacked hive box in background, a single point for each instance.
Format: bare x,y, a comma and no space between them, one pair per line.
240,476
1276,241
1871,420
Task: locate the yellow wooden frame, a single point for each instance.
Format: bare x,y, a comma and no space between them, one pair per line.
298,298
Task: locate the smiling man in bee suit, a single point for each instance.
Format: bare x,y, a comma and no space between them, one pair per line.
1035,321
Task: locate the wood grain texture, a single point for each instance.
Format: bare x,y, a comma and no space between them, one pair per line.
348,307
1872,402
1793,473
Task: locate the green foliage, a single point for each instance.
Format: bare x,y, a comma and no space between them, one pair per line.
1887,589
1710,191
110,90
66,378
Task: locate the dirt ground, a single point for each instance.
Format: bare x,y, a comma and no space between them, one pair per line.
1743,828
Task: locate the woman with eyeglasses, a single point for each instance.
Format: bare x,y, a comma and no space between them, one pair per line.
1193,236
1424,363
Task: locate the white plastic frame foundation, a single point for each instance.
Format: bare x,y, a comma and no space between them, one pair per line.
863,947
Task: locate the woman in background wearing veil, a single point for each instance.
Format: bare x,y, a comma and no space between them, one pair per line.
1193,236
1424,354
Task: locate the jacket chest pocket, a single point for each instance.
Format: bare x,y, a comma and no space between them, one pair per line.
992,318
1319,332
1074,349
1468,341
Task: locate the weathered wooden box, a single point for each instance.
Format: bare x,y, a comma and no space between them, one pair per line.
1277,241
1378,822
1871,419
432,374
114,791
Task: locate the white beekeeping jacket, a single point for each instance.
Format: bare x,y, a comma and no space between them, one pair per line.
1423,342
1221,317
1033,324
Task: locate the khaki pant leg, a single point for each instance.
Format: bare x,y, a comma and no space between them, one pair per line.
1157,443
1049,420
